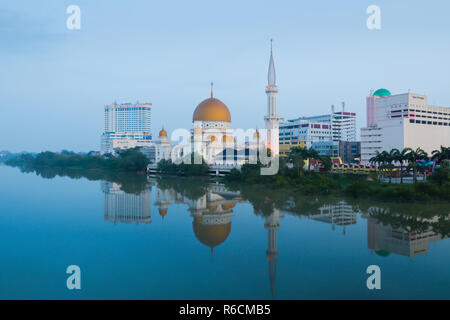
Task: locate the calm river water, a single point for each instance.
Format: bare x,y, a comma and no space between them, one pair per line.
188,239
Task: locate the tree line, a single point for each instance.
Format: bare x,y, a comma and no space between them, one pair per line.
408,159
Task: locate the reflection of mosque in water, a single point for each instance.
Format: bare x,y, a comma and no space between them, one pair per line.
125,207
212,214
385,239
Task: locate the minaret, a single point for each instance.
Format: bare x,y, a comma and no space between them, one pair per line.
272,119
272,225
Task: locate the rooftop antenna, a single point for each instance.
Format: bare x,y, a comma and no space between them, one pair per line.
332,108
343,106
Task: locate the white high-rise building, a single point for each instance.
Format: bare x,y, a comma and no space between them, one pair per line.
403,121
126,126
272,119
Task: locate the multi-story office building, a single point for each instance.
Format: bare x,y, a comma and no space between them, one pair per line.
322,133
302,133
343,124
126,126
401,121
349,150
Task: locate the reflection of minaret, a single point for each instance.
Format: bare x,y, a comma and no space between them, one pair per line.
272,225
272,119
125,207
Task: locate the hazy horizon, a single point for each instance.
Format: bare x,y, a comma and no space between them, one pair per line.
54,82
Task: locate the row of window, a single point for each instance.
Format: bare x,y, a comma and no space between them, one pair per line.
435,123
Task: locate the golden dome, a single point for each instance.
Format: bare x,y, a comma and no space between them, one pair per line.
212,110
211,235
228,206
163,133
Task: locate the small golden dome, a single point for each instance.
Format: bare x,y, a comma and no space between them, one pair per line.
213,138
228,139
228,206
212,110
211,235
163,133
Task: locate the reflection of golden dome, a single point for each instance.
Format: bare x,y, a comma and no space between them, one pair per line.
212,110
212,208
162,212
163,133
211,235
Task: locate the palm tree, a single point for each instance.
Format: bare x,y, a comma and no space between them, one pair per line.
296,157
377,160
385,159
442,154
391,156
413,156
400,156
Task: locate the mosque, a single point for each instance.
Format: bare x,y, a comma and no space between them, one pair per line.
213,137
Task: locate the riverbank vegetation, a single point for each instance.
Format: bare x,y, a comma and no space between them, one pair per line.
293,173
130,160
185,167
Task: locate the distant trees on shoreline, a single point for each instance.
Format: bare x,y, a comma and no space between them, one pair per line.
130,160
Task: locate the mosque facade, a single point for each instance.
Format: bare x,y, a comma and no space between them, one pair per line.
214,139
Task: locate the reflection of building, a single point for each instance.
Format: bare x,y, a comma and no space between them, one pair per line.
341,214
272,225
212,215
126,207
384,239
126,126
211,211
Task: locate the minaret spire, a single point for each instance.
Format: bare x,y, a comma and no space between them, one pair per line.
212,84
272,119
271,76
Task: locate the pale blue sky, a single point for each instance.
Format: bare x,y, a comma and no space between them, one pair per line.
55,82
